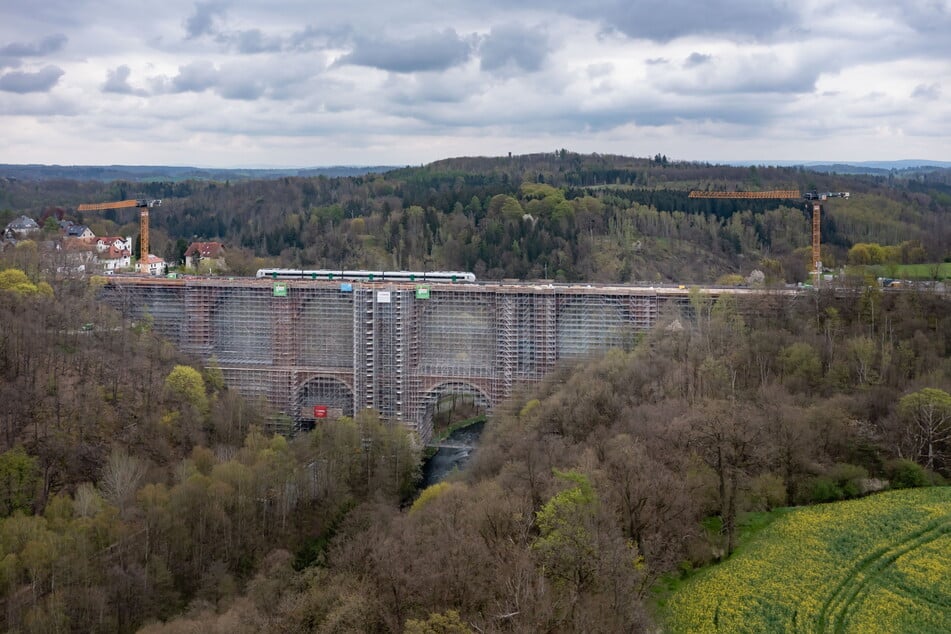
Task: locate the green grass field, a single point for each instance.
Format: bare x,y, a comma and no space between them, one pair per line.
912,271
879,564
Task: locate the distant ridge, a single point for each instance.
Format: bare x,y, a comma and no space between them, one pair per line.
855,167
145,173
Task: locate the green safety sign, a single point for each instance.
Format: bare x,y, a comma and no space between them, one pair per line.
422,292
280,290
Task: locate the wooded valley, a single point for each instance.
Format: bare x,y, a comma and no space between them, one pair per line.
138,491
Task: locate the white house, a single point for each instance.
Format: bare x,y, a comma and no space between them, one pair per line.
155,264
114,258
20,227
110,242
79,231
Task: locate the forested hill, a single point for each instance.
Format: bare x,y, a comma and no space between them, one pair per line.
557,215
148,173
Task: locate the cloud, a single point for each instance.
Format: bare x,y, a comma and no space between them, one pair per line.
310,38
435,51
514,47
202,21
600,70
697,59
24,82
237,81
240,87
928,92
665,20
738,73
45,46
252,41
34,105
117,81
195,77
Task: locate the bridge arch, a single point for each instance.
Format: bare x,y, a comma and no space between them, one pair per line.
329,392
443,397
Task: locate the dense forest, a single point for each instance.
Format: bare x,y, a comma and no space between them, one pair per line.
562,216
138,492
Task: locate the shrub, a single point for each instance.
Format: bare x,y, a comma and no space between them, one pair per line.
906,474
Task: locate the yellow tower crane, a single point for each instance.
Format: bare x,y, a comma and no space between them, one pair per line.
144,205
815,197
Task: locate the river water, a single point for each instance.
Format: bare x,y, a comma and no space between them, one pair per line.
447,460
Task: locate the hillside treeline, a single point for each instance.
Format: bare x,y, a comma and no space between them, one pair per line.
590,487
562,216
137,490
133,484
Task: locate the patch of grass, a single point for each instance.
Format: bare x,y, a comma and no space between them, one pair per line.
920,272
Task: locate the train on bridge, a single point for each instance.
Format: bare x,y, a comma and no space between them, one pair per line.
451,277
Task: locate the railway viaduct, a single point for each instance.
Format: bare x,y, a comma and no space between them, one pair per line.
310,348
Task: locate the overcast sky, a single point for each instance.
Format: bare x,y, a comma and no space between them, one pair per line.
307,82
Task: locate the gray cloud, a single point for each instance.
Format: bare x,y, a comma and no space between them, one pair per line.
748,74
195,77
237,81
117,81
928,92
45,46
514,47
242,88
665,20
310,38
296,70
436,51
697,59
252,41
202,21
23,82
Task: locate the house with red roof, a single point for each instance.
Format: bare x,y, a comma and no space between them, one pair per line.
209,254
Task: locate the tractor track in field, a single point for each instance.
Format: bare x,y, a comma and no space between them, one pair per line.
835,612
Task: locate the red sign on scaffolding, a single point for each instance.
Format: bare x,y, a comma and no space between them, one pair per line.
320,411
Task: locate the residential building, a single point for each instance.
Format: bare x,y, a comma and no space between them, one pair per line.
211,254
79,231
156,265
114,258
105,243
20,228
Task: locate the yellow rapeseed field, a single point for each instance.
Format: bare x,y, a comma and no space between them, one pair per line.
879,564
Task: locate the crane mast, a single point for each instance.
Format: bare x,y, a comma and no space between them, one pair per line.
144,205
782,194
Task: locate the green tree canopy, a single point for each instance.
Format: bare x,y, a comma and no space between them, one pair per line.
18,477
184,384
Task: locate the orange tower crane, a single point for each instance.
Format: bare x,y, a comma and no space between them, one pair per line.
144,205
814,197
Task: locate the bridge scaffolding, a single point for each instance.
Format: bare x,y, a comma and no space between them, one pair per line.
311,349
